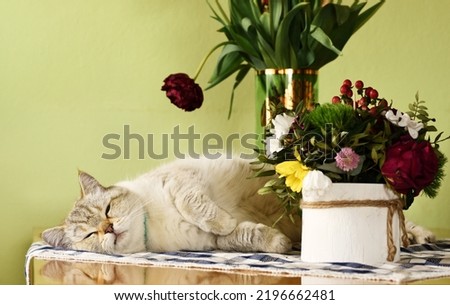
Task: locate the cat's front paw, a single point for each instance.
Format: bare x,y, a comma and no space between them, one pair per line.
275,241
418,234
223,227
252,237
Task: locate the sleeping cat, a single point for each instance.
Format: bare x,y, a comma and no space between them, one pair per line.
184,205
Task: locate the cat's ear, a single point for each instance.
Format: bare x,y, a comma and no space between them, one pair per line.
88,184
56,237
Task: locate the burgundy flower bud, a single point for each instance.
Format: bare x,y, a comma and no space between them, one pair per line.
183,92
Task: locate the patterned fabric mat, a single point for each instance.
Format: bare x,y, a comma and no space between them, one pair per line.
417,262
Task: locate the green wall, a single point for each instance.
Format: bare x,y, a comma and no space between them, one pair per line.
72,72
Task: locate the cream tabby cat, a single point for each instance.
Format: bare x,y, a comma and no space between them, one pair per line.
184,205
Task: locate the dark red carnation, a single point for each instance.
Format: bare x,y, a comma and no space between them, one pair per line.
410,165
183,92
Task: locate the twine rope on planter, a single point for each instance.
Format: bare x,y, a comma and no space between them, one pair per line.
394,205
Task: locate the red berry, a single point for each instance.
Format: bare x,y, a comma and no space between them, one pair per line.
347,82
344,89
336,100
362,102
373,94
367,91
359,84
349,93
373,111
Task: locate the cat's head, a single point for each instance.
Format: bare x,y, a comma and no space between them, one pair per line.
104,219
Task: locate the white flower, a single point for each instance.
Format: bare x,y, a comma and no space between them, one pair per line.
392,117
404,120
412,126
273,145
315,183
282,124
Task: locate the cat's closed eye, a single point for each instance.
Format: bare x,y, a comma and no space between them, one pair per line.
114,200
108,207
89,235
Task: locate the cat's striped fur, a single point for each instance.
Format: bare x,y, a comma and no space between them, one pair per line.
184,205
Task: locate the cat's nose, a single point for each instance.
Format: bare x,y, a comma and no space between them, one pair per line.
109,229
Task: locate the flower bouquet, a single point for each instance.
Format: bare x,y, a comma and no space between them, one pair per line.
261,34
357,138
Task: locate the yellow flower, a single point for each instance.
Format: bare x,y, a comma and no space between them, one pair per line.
294,171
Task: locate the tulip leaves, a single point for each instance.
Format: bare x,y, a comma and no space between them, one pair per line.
288,34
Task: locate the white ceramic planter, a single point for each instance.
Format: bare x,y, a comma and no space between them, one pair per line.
348,234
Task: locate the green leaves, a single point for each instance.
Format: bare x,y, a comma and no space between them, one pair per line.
282,42
291,34
275,12
418,111
321,37
339,23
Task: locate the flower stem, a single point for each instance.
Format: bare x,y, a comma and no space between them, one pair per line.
202,63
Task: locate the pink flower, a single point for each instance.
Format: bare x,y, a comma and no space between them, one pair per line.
347,160
183,92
